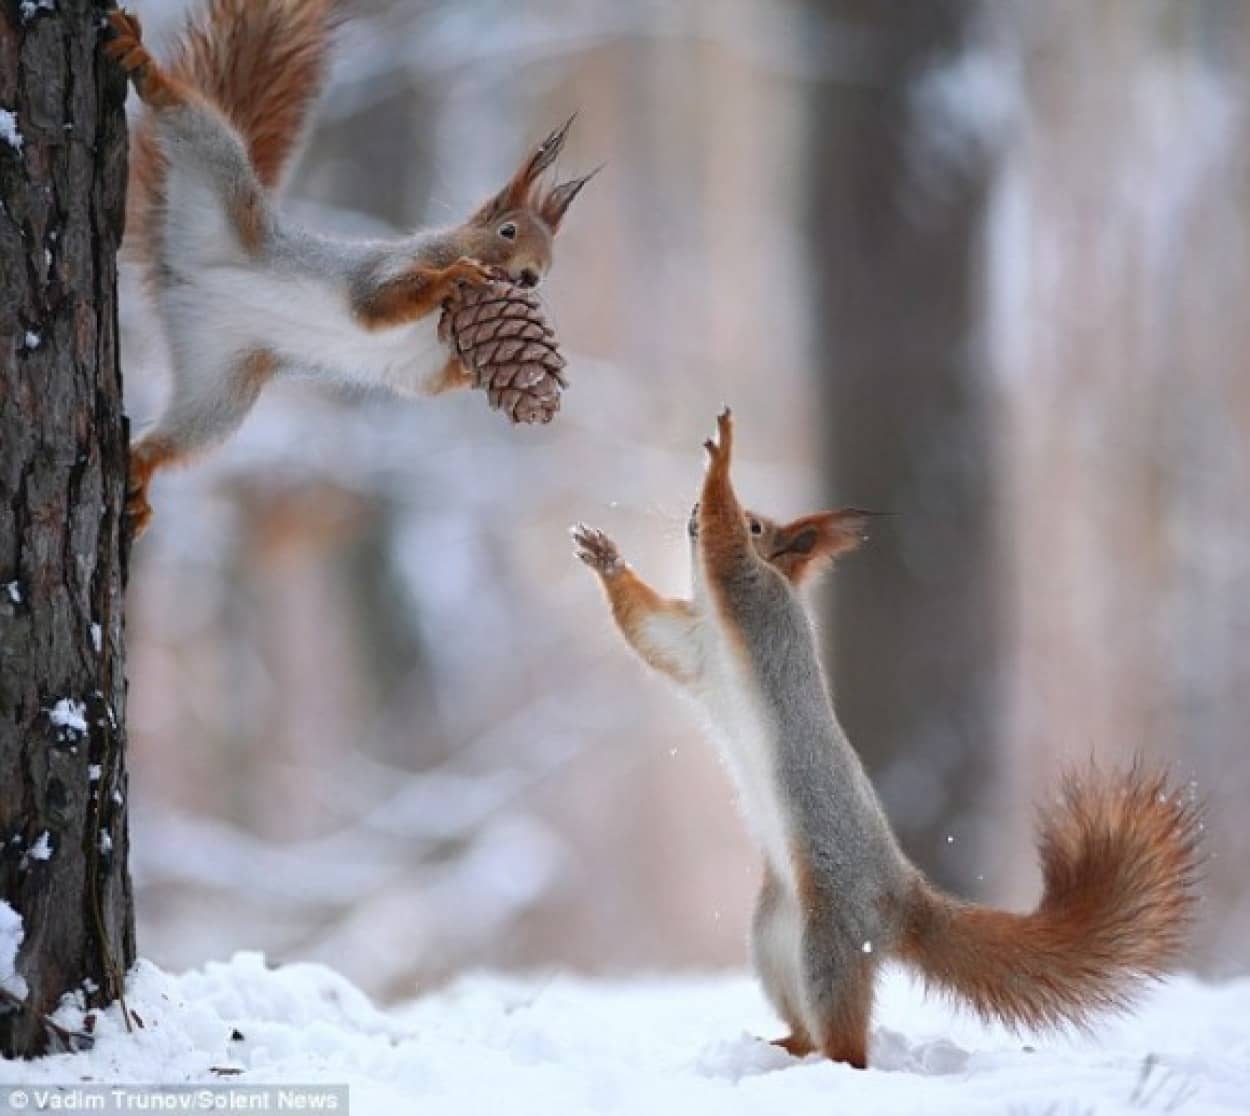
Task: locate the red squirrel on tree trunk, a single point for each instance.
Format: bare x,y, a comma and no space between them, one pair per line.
245,294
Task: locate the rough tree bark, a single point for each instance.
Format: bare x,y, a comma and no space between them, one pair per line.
895,253
63,828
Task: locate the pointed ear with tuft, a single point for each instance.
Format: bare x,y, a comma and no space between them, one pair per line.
803,546
516,194
561,196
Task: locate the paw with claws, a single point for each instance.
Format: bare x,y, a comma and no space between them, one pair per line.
126,48
146,456
126,45
720,448
471,271
138,512
598,551
794,1044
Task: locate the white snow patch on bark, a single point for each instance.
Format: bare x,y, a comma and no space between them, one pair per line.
31,8
70,715
11,935
9,131
42,848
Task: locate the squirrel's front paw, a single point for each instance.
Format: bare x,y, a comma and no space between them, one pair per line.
471,271
720,448
597,550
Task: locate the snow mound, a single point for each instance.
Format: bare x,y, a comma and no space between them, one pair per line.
673,1045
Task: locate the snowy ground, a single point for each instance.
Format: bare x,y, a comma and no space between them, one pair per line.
561,1046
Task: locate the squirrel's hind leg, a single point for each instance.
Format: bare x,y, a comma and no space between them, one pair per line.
194,421
775,937
150,453
839,986
796,1043
154,86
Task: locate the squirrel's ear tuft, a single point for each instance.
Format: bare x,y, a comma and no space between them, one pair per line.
517,193
561,196
804,545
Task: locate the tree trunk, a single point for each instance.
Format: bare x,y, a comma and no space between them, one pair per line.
63,828
894,234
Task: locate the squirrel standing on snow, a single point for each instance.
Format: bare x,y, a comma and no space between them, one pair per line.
839,896
244,294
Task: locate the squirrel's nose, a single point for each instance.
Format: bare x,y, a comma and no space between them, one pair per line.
692,525
529,278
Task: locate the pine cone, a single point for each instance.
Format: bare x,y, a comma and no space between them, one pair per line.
501,336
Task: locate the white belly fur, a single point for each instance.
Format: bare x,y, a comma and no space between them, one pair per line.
224,305
739,725
747,747
777,951
305,322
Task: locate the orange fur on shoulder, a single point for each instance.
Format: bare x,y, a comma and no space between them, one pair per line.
1118,863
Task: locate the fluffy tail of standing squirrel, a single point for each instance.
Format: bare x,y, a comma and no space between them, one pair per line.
1118,866
244,294
839,896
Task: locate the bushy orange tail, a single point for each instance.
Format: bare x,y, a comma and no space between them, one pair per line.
1118,863
263,63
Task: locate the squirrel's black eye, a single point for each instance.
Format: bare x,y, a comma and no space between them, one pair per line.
757,528
508,231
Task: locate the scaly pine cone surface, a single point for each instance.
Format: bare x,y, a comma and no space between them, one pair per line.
499,332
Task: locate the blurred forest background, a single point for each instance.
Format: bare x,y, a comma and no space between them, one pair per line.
979,263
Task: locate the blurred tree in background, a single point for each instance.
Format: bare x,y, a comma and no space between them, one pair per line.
894,252
1117,259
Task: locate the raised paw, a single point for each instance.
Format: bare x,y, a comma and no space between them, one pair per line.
598,551
720,448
